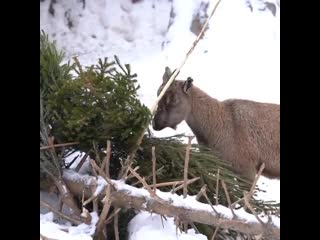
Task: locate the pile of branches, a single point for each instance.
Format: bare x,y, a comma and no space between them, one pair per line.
112,197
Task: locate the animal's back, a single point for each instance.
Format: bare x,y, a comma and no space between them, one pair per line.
256,133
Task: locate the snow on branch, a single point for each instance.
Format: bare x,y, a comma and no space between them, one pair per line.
187,209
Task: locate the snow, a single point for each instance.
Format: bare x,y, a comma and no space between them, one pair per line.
138,229
238,57
62,232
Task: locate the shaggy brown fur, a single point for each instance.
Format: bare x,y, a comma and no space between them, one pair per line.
242,132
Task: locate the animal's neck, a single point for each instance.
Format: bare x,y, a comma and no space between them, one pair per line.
207,118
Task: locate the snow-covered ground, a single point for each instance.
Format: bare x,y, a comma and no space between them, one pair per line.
239,56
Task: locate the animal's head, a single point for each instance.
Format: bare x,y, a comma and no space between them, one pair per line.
175,105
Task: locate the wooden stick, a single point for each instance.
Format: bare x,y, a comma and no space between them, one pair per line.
252,186
154,169
115,212
60,214
200,193
215,233
256,179
194,227
208,200
146,186
228,198
173,183
105,210
131,175
106,161
177,182
217,187
182,185
186,164
144,183
115,226
95,166
51,146
246,200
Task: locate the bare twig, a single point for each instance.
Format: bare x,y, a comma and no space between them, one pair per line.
194,227
105,210
154,169
217,187
115,212
246,200
182,185
167,85
131,175
210,203
215,232
202,190
252,186
144,183
93,197
83,159
186,164
51,146
256,179
165,184
106,161
146,186
173,183
115,225
228,198
95,166
60,214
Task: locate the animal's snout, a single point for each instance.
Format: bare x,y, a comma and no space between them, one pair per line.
156,126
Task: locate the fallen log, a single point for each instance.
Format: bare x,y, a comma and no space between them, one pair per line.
171,205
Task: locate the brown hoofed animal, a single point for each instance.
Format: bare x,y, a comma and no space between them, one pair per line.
242,132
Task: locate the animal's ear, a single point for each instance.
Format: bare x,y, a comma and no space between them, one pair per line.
187,85
166,75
